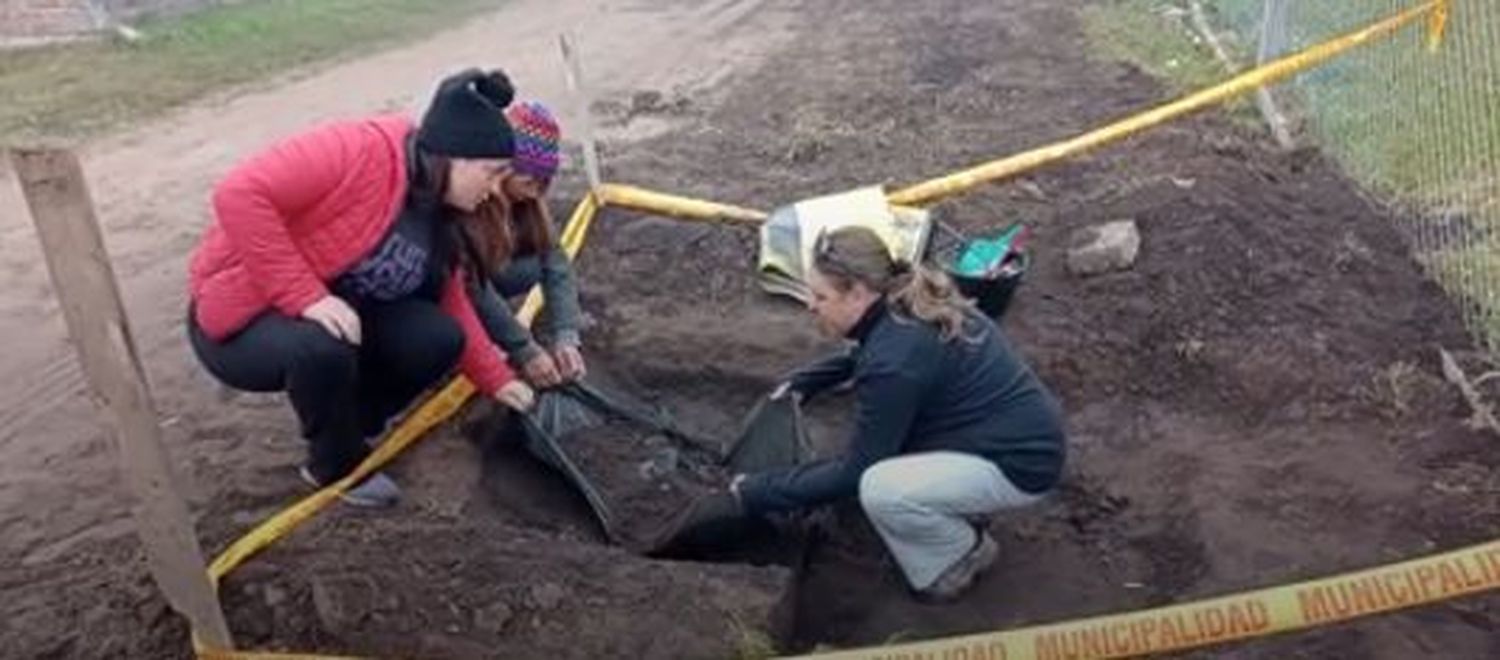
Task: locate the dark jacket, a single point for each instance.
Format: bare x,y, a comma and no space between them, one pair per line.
916,393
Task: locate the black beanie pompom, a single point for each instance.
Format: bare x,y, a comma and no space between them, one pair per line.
496,87
466,118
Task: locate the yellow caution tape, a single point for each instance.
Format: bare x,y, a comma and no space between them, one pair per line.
1437,25
434,411
1240,616
650,201
932,191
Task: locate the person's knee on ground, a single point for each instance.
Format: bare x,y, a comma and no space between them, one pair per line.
939,553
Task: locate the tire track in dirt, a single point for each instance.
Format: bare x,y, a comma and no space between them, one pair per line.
58,381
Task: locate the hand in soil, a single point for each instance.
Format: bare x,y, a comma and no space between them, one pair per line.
336,316
569,363
517,395
541,371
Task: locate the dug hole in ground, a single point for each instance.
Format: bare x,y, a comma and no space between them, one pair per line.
1257,400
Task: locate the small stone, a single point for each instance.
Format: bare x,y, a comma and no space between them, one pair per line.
341,601
326,604
646,101
128,34
1032,189
493,618
1103,248
548,595
274,595
663,462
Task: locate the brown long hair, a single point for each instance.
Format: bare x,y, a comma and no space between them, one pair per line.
493,233
500,230
857,254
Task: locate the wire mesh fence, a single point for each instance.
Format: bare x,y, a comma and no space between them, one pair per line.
1419,128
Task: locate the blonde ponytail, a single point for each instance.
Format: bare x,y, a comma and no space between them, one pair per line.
856,254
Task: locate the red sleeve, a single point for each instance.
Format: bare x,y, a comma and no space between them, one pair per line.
482,361
254,202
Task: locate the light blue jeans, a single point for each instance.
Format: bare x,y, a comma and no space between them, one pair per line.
922,504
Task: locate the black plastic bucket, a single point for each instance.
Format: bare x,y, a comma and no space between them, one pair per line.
992,295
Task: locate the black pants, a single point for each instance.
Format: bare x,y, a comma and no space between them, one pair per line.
341,393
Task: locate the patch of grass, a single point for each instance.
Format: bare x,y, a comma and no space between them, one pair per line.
1155,36
751,643
1392,388
74,90
1158,37
1469,273
1408,122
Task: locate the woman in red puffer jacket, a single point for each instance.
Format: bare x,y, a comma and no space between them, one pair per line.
339,269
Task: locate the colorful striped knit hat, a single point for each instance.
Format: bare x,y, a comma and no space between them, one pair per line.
537,137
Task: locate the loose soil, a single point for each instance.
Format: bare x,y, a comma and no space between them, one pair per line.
644,478
464,582
1257,401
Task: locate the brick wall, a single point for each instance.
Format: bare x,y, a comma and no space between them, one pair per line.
42,19
27,21
129,9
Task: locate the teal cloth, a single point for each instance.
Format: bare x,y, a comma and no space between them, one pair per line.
980,256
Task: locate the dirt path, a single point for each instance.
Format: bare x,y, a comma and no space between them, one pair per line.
1251,404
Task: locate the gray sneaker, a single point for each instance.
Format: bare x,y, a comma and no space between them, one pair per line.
961,575
374,441
377,491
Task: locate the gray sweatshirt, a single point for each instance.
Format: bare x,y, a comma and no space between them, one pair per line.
558,325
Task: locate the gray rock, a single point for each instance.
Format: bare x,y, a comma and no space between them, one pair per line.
548,595
494,617
1103,248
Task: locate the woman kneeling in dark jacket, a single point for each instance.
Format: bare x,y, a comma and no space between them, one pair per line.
950,424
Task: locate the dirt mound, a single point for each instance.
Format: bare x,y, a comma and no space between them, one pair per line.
462,569
444,588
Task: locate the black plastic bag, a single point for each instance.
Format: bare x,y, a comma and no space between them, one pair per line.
576,430
773,435
632,464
